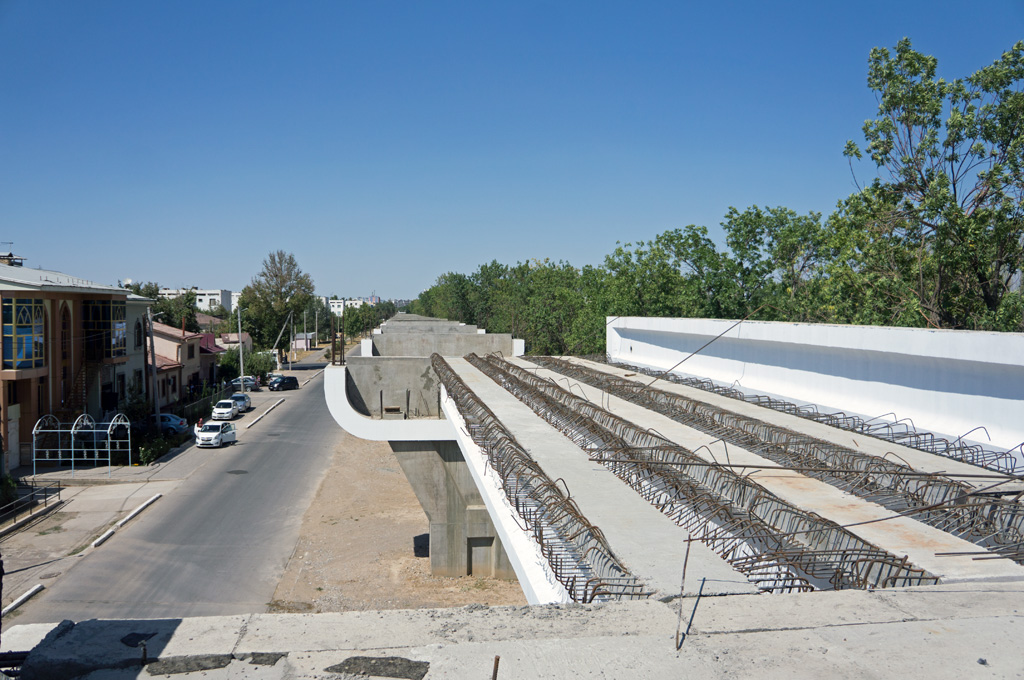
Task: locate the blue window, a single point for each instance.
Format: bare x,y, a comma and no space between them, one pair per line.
24,333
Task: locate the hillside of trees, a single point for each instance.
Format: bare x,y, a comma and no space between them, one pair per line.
935,239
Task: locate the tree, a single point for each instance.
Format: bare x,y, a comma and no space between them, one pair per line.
950,156
177,312
279,289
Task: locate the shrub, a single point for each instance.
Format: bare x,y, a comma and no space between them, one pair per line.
8,490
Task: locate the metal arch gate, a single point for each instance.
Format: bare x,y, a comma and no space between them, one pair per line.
84,441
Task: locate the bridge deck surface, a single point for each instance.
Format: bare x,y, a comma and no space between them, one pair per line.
647,542
898,535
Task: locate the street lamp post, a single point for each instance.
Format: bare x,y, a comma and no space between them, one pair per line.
241,360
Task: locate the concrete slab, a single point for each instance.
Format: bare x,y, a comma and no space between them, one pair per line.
650,545
870,521
965,631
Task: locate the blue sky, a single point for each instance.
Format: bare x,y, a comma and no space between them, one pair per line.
385,143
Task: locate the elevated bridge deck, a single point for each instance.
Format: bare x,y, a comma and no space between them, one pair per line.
653,547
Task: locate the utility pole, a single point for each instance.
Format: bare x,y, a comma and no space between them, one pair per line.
291,354
241,346
305,335
152,367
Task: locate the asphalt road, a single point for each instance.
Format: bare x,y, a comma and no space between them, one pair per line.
218,543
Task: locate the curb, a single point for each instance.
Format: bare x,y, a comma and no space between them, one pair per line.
21,600
110,532
102,539
139,509
260,417
25,520
312,376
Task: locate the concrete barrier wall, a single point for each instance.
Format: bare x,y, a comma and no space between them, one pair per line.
445,344
406,383
375,429
426,327
947,382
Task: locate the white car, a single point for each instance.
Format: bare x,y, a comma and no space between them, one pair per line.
216,434
225,409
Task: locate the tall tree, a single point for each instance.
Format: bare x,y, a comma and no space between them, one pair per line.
950,156
280,288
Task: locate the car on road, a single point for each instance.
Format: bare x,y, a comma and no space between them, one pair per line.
243,401
216,434
285,382
225,409
250,384
169,423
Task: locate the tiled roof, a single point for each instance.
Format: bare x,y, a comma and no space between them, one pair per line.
166,363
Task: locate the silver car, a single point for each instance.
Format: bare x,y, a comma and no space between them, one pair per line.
216,434
243,401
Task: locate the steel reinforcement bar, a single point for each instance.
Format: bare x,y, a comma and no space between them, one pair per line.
937,500
899,432
575,549
778,546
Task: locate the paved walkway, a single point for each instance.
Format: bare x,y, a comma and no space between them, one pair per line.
970,630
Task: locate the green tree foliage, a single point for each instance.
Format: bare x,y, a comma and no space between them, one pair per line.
363,319
280,289
950,156
256,364
176,312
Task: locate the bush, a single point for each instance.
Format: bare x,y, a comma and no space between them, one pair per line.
8,490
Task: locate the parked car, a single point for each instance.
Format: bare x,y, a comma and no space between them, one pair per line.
285,382
169,423
250,383
243,401
225,409
216,434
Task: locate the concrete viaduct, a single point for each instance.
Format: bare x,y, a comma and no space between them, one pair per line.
703,456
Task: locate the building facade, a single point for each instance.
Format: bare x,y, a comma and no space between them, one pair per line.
64,339
205,299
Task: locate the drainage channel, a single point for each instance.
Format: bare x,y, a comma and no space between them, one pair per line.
985,519
778,546
575,549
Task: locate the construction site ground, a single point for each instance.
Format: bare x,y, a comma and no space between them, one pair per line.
363,545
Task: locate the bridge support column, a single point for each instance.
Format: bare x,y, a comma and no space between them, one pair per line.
462,537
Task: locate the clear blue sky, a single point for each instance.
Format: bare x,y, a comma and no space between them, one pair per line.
385,143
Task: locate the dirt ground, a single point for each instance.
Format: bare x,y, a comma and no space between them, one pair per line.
363,545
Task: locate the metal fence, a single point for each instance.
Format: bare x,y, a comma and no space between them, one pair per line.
200,408
23,505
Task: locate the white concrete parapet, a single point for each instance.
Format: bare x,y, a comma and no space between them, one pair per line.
947,382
